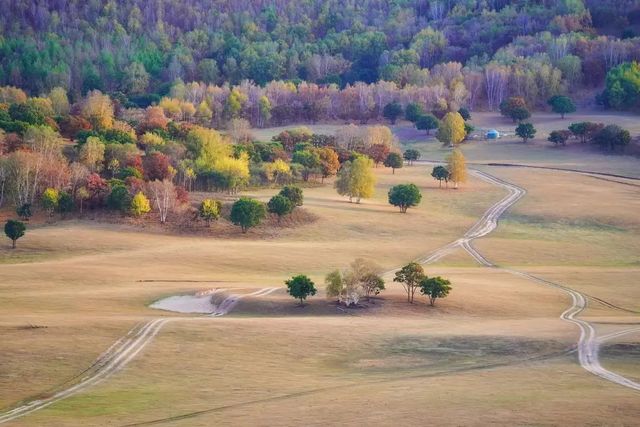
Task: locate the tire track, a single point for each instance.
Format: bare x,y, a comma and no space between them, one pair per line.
119,355
588,343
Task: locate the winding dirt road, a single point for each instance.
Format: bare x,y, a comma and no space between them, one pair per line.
128,347
119,355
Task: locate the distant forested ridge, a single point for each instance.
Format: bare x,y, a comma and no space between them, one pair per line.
138,49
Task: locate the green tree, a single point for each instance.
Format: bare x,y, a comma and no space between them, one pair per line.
413,112
451,130
559,137
515,108
623,86
612,137
50,199
372,284
526,131
209,210
411,155
404,196
65,203
119,198
465,113
434,288
392,111
393,161
427,122
410,277
24,211
561,105
441,173
140,204
334,284
280,205
14,230
294,194
300,287
136,78
247,213
585,131
310,161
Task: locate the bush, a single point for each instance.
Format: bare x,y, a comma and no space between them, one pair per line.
294,194
280,205
209,210
140,204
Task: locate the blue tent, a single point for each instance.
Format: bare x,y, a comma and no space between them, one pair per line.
493,134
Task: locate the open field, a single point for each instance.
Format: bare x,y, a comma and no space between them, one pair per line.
494,352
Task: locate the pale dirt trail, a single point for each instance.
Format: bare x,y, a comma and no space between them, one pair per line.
119,355
127,348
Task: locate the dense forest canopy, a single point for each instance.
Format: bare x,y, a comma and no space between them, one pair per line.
143,46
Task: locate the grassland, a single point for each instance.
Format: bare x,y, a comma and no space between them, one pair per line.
494,352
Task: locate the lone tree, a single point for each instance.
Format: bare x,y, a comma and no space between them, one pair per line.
280,206
294,194
434,288
515,108
411,155
209,210
356,179
451,130
562,105
300,287
393,161
247,213
14,230
427,122
410,277
457,166
392,111
441,173
526,131
404,196
559,137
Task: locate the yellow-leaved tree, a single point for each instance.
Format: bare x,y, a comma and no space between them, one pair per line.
208,146
356,179
278,171
140,204
451,130
233,173
98,109
457,166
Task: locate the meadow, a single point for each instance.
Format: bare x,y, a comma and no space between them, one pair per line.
494,352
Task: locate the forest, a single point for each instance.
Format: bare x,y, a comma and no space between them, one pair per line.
137,50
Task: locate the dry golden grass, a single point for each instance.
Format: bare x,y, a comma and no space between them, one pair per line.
493,352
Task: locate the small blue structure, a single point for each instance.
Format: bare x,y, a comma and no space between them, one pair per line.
493,134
